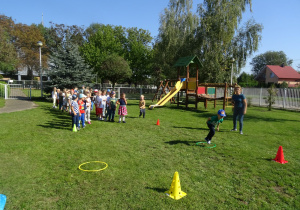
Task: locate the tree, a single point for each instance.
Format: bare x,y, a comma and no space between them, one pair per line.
269,58
247,80
8,56
104,40
219,39
214,36
139,54
67,68
272,93
176,36
115,68
25,41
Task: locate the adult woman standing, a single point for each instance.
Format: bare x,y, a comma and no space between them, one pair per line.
239,107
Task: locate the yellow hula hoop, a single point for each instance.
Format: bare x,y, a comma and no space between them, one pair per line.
101,169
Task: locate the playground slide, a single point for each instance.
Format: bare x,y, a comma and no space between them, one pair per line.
168,97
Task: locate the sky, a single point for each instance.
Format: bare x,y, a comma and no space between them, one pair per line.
280,18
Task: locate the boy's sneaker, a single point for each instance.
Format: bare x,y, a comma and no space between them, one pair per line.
78,128
83,126
241,132
208,141
119,122
112,121
233,130
124,122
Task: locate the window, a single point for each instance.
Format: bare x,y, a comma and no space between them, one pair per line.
272,75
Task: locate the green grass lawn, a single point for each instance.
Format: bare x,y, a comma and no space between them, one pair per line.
39,158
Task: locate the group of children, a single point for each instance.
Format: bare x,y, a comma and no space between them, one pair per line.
80,103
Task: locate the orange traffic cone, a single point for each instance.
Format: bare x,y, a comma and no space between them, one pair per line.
157,123
280,157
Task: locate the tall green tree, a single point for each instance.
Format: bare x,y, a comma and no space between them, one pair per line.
269,58
8,56
138,53
67,67
246,80
102,41
219,39
25,41
176,36
116,69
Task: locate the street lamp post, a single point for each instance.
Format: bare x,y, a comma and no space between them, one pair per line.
232,61
40,44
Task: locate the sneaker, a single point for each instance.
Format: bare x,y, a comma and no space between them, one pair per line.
233,130
241,132
208,141
119,122
89,122
124,122
83,126
78,128
112,121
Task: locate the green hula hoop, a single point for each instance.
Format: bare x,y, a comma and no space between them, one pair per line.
101,169
202,142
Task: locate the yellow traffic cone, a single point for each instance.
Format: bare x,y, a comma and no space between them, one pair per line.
175,190
74,128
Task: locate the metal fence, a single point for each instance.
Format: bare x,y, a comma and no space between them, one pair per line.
286,98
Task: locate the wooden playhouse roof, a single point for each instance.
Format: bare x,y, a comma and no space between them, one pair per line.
185,61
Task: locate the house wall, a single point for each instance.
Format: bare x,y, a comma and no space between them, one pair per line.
270,79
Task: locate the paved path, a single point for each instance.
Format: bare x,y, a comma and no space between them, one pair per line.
14,105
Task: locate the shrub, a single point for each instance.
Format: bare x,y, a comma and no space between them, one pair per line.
272,93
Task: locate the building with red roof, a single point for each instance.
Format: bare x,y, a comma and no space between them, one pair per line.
278,75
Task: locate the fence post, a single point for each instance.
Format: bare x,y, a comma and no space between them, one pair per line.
5,92
30,92
260,96
284,96
141,91
119,92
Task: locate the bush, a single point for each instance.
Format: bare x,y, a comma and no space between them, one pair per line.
272,93
1,76
249,101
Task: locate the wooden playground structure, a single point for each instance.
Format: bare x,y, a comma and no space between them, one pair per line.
202,92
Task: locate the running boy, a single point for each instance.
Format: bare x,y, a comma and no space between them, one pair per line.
212,122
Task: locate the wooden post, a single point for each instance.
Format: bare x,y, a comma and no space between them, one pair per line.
215,101
197,82
205,103
187,86
178,78
224,100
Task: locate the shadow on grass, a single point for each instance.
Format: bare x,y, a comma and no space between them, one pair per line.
191,128
157,189
188,143
61,120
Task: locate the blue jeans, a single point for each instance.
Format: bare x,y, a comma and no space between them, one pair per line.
238,112
75,119
82,118
111,114
211,131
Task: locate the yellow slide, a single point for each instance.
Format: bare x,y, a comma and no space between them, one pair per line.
168,97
